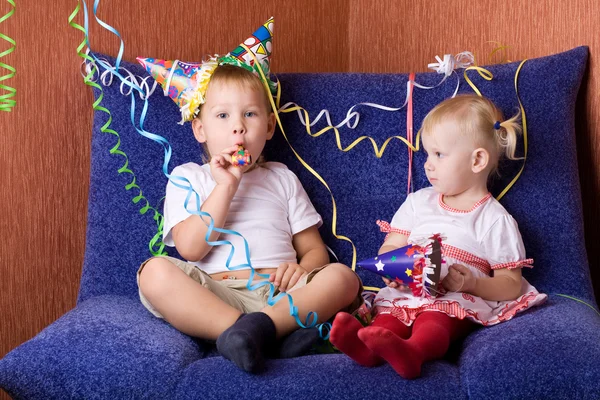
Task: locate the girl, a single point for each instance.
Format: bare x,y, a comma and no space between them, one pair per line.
464,138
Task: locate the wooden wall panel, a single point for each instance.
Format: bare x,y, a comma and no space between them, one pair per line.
309,35
44,142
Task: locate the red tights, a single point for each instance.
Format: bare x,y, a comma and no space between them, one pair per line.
405,348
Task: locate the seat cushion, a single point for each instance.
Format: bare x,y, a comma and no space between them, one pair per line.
553,351
110,347
106,347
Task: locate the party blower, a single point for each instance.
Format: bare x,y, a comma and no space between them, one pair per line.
416,265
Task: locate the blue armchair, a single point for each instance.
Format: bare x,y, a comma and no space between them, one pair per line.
110,347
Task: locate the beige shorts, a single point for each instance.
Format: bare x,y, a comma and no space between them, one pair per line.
235,291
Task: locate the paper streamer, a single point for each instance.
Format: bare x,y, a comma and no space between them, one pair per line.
124,169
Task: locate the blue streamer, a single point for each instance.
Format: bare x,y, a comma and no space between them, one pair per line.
183,183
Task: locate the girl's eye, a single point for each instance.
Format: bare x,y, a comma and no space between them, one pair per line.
438,154
222,115
250,114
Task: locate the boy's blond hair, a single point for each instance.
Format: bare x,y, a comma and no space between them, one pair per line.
480,119
246,80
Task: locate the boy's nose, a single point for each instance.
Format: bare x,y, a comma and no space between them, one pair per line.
428,166
239,130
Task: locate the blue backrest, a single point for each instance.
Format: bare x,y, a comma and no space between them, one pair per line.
545,200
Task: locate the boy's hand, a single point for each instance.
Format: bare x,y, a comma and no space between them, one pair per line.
459,279
223,172
287,275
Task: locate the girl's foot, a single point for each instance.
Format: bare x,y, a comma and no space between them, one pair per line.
344,336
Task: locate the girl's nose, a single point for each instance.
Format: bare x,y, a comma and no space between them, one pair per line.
428,165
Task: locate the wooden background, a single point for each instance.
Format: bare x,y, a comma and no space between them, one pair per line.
45,140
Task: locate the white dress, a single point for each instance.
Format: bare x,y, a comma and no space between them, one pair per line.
483,239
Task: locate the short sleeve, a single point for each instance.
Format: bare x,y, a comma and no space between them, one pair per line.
301,212
503,245
174,209
404,219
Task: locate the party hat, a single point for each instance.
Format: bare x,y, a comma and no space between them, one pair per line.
186,83
417,266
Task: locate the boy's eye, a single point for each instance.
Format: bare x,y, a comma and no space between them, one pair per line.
438,154
222,115
250,114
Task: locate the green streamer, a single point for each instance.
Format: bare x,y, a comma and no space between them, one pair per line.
156,240
6,100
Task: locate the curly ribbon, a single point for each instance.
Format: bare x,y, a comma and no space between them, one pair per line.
183,183
274,105
444,66
124,169
500,48
107,77
6,100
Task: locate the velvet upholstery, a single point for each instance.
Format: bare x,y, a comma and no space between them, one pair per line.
109,346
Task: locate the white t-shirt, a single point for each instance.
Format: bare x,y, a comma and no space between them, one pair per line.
269,207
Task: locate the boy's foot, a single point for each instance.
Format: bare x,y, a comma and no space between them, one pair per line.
247,341
298,343
344,336
402,355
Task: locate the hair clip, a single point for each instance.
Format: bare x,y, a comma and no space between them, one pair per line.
497,125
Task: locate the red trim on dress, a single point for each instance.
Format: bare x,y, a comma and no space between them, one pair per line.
448,208
385,227
452,308
468,258
515,264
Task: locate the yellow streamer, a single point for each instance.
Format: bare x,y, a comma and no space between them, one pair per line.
6,100
304,163
524,121
500,48
487,75
484,73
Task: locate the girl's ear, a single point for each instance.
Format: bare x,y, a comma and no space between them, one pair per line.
271,126
198,129
480,159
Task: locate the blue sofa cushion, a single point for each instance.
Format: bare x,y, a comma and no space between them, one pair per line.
545,200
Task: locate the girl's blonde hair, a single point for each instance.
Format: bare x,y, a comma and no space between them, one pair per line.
245,79
479,118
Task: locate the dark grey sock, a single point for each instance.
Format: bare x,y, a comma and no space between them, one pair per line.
298,343
247,341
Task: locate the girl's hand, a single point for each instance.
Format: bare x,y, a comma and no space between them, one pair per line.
390,283
223,172
459,279
287,275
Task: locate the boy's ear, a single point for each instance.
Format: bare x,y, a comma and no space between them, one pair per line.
271,126
198,129
480,159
